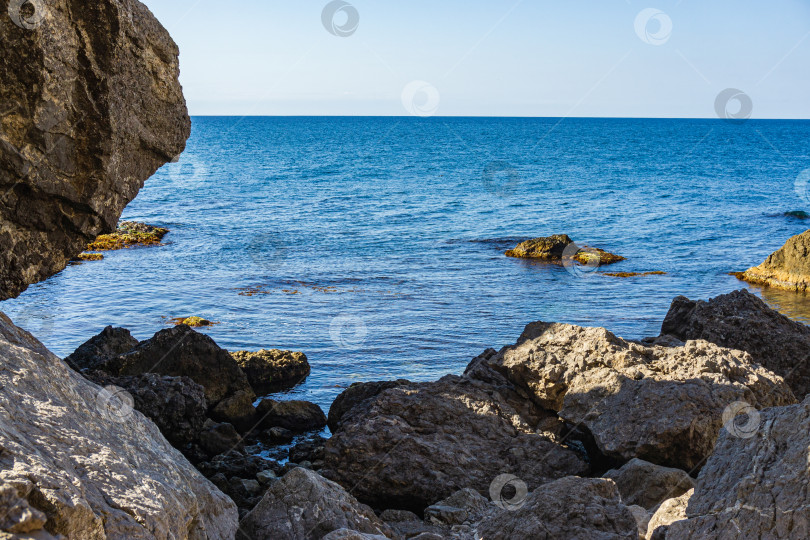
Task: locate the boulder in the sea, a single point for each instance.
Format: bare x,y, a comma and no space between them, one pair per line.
740,320
99,349
661,404
755,486
94,466
647,485
558,247
92,107
304,505
786,268
294,415
414,444
272,370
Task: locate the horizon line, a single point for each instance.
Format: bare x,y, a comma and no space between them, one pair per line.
493,117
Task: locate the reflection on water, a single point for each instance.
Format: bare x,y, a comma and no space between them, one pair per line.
791,304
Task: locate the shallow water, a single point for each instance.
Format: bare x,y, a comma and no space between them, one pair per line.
375,245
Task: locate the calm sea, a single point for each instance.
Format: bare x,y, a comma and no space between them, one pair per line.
375,245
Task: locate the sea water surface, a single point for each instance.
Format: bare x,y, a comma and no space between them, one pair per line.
375,245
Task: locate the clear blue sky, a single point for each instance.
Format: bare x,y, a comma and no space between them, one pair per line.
492,58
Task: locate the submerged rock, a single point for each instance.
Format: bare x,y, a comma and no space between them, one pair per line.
92,108
647,485
414,444
661,404
272,370
740,320
95,467
555,248
786,268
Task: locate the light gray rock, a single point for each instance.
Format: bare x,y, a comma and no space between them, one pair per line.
666,514
16,514
642,516
648,485
346,534
96,467
303,505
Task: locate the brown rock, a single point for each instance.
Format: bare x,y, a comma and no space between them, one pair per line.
647,485
272,370
357,394
740,320
786,268
558,247
666,514
92,107
16,514
293,415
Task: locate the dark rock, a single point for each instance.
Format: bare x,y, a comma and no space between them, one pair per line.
98,350
647,485
558,247
235,463
277,435
465,506
219,438
740,320
272,370
308,450
357,394
92,107
237,409
294,415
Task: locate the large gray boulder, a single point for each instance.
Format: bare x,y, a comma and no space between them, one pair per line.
740,320
91,464
92,107
647,485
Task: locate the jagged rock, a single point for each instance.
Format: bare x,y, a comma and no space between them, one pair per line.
786,268
16,514
95,467
357,394
756,485
311,449
571,508
661,404
408,525
293,415
464,506
740,320
346,534
415,444
647,485
176,404
96,351
667,513
304,505
236,463
182,352
272,370
92,107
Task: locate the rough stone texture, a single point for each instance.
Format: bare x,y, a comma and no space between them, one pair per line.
642,517
660,404
740,320
667,513
356,394
182,352
346,534
553,249
175,404
756,487
92,107
272,370
415,444
293,415
95,468
102,348
786,268
648,485
16,514
465,506
572,508
304,505
218,437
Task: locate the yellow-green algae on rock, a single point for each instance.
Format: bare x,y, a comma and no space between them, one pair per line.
129,234
786,268
552,248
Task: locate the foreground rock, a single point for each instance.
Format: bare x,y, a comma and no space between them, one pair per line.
304,505
272,370
16,515
647,485
786,268
92,108
755,486
666,514
558,248
571,508
411,445
661,404
740,320
91,464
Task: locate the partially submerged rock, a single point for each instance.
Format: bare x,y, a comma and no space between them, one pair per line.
304,505
740,320
557,247
294,415
786,268
129,234
647,485
661,404
272,370
755,486
96,468
193,321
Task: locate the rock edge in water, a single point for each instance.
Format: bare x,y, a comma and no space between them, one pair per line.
559,248
786,268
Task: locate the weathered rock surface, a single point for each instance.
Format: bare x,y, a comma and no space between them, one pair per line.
666,514
294,415
740,320
558,247
415,444
92,107
180,351
756,486
99,349
303,505
218,437
16,515
786,268
272,370
660,404
571,508
357,394
647,485
346,534
95,468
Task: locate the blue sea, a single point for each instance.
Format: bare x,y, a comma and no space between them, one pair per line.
375,245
